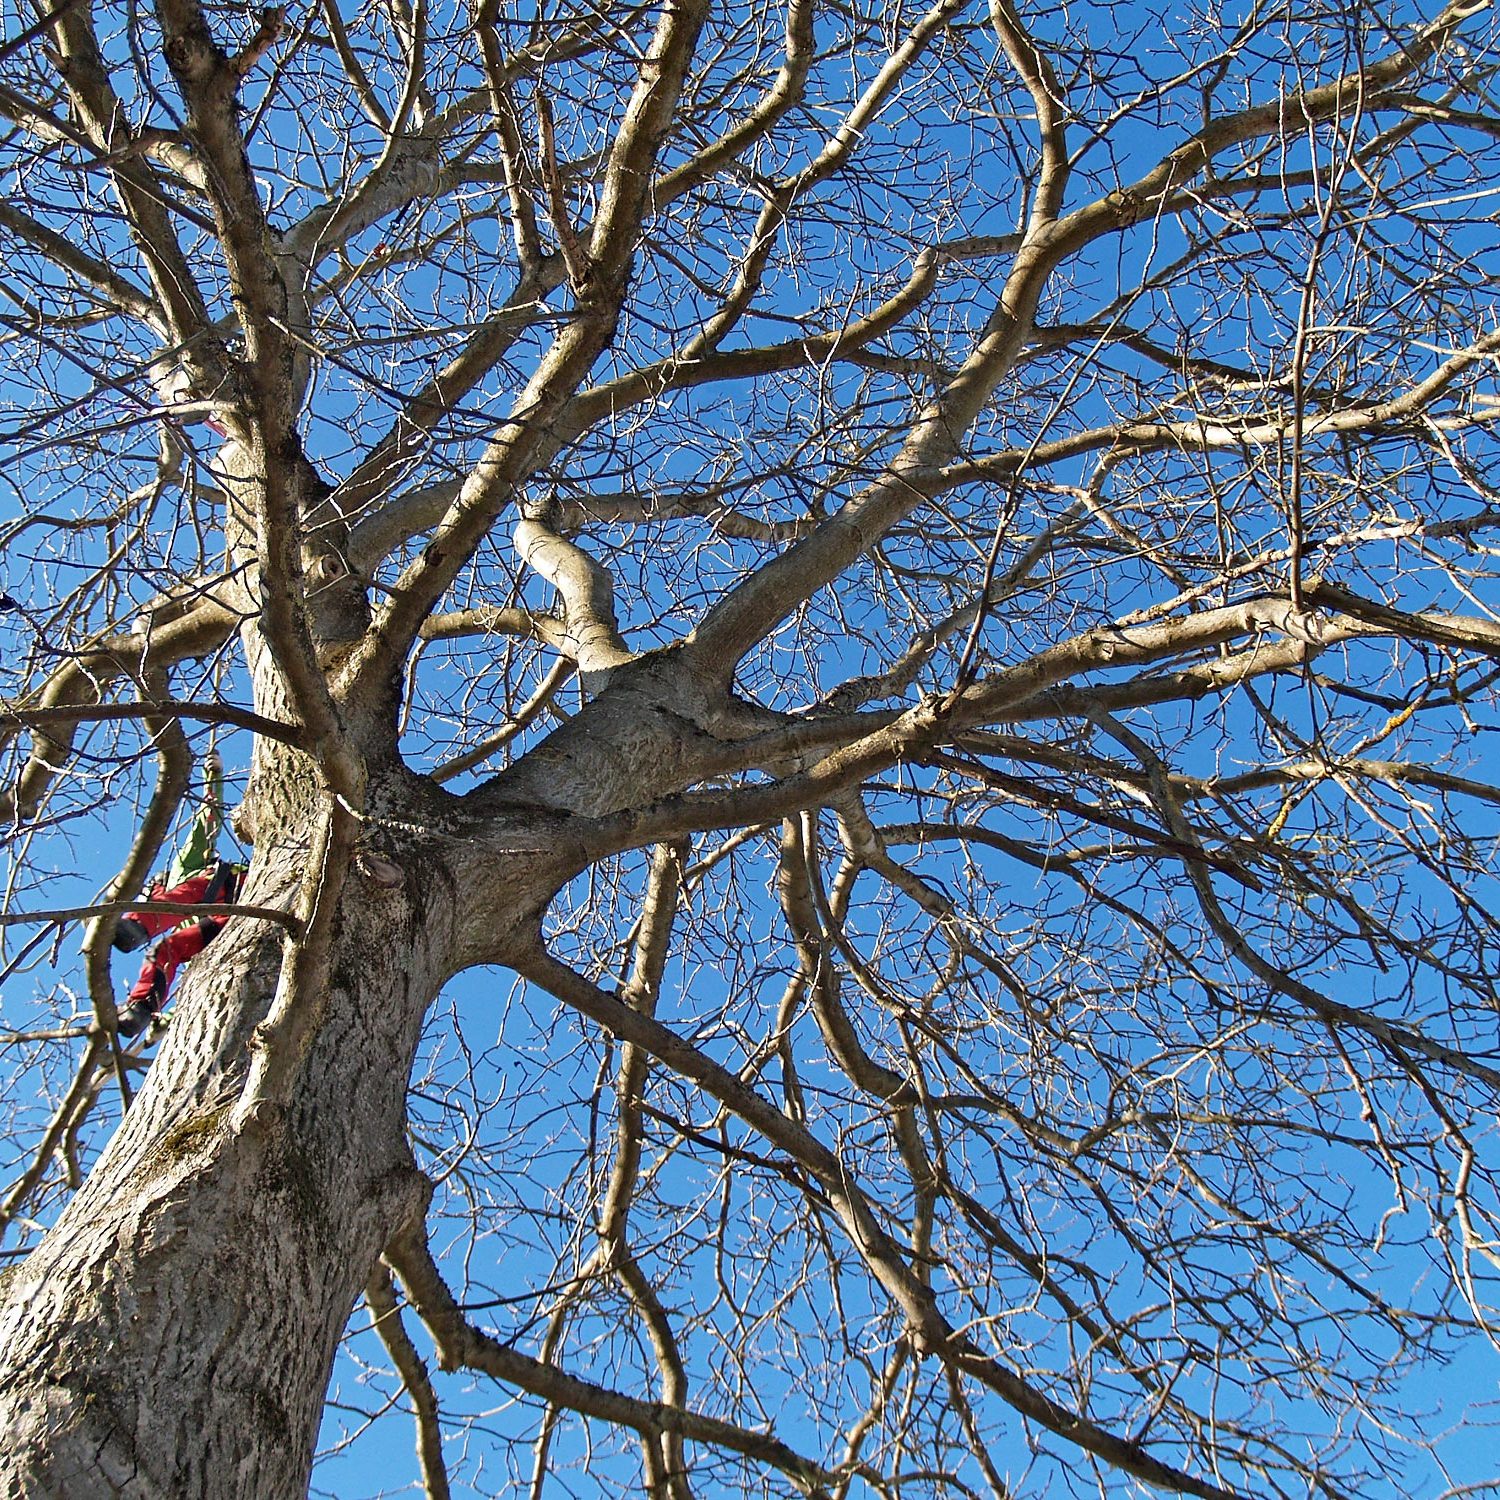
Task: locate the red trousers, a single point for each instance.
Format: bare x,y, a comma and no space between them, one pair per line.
178,946
191,891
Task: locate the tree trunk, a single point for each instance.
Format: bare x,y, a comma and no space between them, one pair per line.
173,1334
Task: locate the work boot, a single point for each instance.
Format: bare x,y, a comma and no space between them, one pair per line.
135,1018
129,935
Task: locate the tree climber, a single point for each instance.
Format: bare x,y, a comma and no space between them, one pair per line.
197,876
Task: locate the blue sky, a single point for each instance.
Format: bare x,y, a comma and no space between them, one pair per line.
1131,991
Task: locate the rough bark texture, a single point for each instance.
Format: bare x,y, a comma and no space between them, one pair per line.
158,1343
924,584
173,1334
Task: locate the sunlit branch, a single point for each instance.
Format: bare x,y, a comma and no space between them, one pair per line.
288,920
460,1346
927,1327
613,237
380,1295
80,682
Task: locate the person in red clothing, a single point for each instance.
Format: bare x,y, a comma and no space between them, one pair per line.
197,877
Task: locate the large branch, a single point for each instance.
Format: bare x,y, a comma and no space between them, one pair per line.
77,688
592,637
1034,686
928,1329
105,123
768,596
266,424
460,1345
529,435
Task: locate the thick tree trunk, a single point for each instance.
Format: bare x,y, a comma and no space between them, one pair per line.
172,1335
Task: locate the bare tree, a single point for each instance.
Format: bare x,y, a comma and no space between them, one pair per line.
906,593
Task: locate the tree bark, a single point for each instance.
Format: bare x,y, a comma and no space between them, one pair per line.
173,1334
